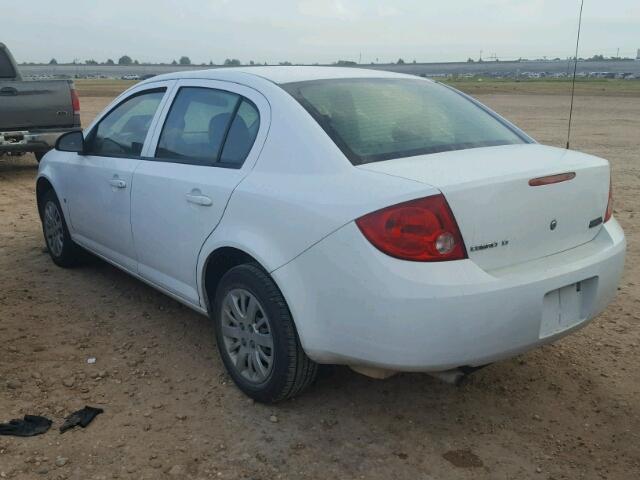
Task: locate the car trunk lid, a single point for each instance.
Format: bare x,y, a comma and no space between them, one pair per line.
503,219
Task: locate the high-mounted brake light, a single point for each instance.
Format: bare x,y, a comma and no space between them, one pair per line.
551,179
75,101
609,213
422,230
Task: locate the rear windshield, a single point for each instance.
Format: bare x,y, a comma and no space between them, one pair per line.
6,69
374,119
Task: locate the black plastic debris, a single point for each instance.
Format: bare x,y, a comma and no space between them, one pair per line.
82,417
29,426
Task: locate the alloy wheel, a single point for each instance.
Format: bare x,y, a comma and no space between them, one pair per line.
247,335
53,228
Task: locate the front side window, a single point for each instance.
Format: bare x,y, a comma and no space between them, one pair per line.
374,119
208,127
121,133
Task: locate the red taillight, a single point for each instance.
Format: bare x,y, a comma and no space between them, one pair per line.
609,212
75,101
422,230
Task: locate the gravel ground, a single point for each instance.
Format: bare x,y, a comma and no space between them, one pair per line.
565,411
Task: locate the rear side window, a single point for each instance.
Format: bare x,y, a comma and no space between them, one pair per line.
241,135
373,119
208,127
121,133
6,68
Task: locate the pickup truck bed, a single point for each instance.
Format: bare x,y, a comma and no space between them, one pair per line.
33,114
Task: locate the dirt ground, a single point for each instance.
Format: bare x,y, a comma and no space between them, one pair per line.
570,410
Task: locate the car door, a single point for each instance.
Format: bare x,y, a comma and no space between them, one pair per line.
205,143
99,180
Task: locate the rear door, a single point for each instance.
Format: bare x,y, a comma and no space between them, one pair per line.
206,142
99,182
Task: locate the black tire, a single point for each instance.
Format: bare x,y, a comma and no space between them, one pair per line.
39,155
292,371
69,254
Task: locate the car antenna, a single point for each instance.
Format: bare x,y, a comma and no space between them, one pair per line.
575,69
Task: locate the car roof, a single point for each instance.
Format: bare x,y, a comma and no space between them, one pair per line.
282,74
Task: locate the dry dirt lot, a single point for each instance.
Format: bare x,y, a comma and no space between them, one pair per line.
566,411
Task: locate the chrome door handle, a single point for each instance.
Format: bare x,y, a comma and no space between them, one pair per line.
199,199
117,183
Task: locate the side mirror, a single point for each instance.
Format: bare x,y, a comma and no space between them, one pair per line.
71,142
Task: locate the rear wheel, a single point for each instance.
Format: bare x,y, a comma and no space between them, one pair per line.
257,338
64,251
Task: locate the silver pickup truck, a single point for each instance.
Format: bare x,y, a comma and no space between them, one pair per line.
33,114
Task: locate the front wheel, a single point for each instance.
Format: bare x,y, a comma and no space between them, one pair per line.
63,251
257,338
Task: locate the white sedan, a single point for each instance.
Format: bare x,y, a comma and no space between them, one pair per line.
337,216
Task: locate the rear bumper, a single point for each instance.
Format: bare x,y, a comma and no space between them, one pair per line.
354,305
31,141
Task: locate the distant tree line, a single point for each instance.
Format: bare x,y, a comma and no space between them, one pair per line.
234,62
127,60
594,58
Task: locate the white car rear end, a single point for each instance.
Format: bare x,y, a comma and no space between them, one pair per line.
540,264
523,246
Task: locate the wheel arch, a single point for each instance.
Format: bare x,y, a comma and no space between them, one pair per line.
43,185
219,262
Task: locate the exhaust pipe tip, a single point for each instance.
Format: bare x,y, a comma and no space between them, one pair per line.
452,377
372,372
456,376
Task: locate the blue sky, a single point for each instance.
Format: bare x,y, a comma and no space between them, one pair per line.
318,30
